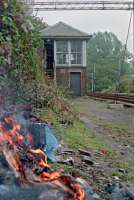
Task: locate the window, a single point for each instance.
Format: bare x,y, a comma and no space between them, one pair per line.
62,52
76,52
69,52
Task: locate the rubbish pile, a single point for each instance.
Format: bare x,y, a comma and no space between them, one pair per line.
85,165
26,142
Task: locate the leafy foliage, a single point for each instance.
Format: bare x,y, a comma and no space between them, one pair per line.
106,53
19,41
127,84
20,62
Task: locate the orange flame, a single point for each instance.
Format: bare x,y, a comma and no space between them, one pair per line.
11,140
42,163
37,151
49,176
79,192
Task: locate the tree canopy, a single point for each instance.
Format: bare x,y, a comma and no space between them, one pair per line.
107,55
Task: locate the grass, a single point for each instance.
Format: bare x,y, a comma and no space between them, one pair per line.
119,130
61,167
78,136
124,176
83,109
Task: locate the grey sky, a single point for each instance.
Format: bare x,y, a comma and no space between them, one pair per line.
93,21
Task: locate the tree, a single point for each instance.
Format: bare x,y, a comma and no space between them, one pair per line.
106,53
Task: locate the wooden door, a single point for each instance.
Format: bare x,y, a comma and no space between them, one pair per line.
75,83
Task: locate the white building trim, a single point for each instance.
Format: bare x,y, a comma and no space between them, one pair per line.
84,56
55,60
68,64
69,52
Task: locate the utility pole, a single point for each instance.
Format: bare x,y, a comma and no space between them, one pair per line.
119,76
1,12
92,82
133,35
93,79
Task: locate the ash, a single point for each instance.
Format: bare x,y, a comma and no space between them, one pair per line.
12,189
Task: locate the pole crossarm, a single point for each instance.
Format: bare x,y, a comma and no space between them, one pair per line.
81,5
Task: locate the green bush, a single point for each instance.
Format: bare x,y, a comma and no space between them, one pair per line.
127,84
19,43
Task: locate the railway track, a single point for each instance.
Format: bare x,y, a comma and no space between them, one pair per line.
117,97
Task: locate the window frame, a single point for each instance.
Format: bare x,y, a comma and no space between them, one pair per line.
69,53
76,53
61,52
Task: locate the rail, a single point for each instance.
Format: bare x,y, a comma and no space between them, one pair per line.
114,96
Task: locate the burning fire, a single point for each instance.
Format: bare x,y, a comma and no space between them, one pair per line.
23,158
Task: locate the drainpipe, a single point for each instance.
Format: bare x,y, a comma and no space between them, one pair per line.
55,74
54,65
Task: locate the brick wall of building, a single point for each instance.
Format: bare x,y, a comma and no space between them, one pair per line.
63,76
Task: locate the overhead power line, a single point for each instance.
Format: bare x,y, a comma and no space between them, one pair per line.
128,32
81,5
133,34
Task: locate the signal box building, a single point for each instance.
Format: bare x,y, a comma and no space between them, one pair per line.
65,56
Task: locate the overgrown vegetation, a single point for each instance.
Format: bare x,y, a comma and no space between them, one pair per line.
109,61
78,136
121,132
127,84
19,42
22,75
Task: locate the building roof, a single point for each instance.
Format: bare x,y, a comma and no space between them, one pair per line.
62,30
